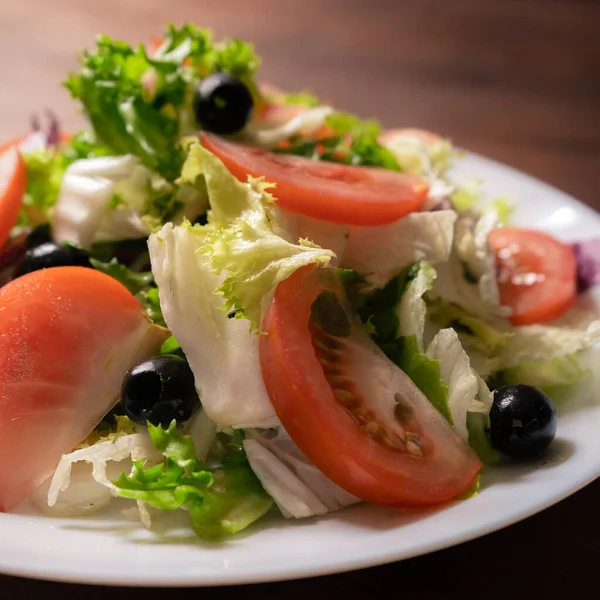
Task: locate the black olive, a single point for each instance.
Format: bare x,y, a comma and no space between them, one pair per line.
159,390
522,420
49,255
222,104
38,236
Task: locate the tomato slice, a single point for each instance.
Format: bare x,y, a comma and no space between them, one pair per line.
13,182
537,275
323,190
67,337
355,414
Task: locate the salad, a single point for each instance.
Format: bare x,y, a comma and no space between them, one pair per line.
231,300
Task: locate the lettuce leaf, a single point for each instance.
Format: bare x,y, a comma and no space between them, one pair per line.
240,239
557,371
220,501
423,370
478,426
221,351
466,390
142,105
418,157
350,141
112,198
468,278
295,484
134,281
380,253
86,490
412,310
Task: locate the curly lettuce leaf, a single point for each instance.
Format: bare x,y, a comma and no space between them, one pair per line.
140,104
220,501
221,351
240,237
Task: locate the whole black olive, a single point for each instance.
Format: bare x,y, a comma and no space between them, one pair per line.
522,420
49,254
159,390
222,104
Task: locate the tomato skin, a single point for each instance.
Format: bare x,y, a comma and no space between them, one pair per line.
537,274
327,433
327,191
67,337
13,183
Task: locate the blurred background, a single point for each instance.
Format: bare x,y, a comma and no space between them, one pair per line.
517,80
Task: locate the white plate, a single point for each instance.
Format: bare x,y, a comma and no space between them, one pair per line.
108,549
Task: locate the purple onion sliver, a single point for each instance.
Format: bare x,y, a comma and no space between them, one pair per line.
443,204
587,258
53,133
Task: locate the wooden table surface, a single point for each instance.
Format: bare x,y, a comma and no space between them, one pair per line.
517,80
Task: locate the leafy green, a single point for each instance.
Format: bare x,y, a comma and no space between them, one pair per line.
240,236
424,158
220,501
504,208
170,346
45,170
411,309
351,141
558,371
132,280
142,105
467,195
300,99
477,426
424,372
151,303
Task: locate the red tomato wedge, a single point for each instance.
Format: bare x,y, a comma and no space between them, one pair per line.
355,414
537,275
324,190
67,337
13,182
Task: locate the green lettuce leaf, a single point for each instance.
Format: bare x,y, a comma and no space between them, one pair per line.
45,170
424,372
558,371
220,501
134,281
477,426
352,141
151,303
240,236
142,105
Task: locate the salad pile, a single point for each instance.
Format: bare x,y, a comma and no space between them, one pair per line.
230,300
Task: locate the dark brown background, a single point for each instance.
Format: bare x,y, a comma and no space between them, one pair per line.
518,80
